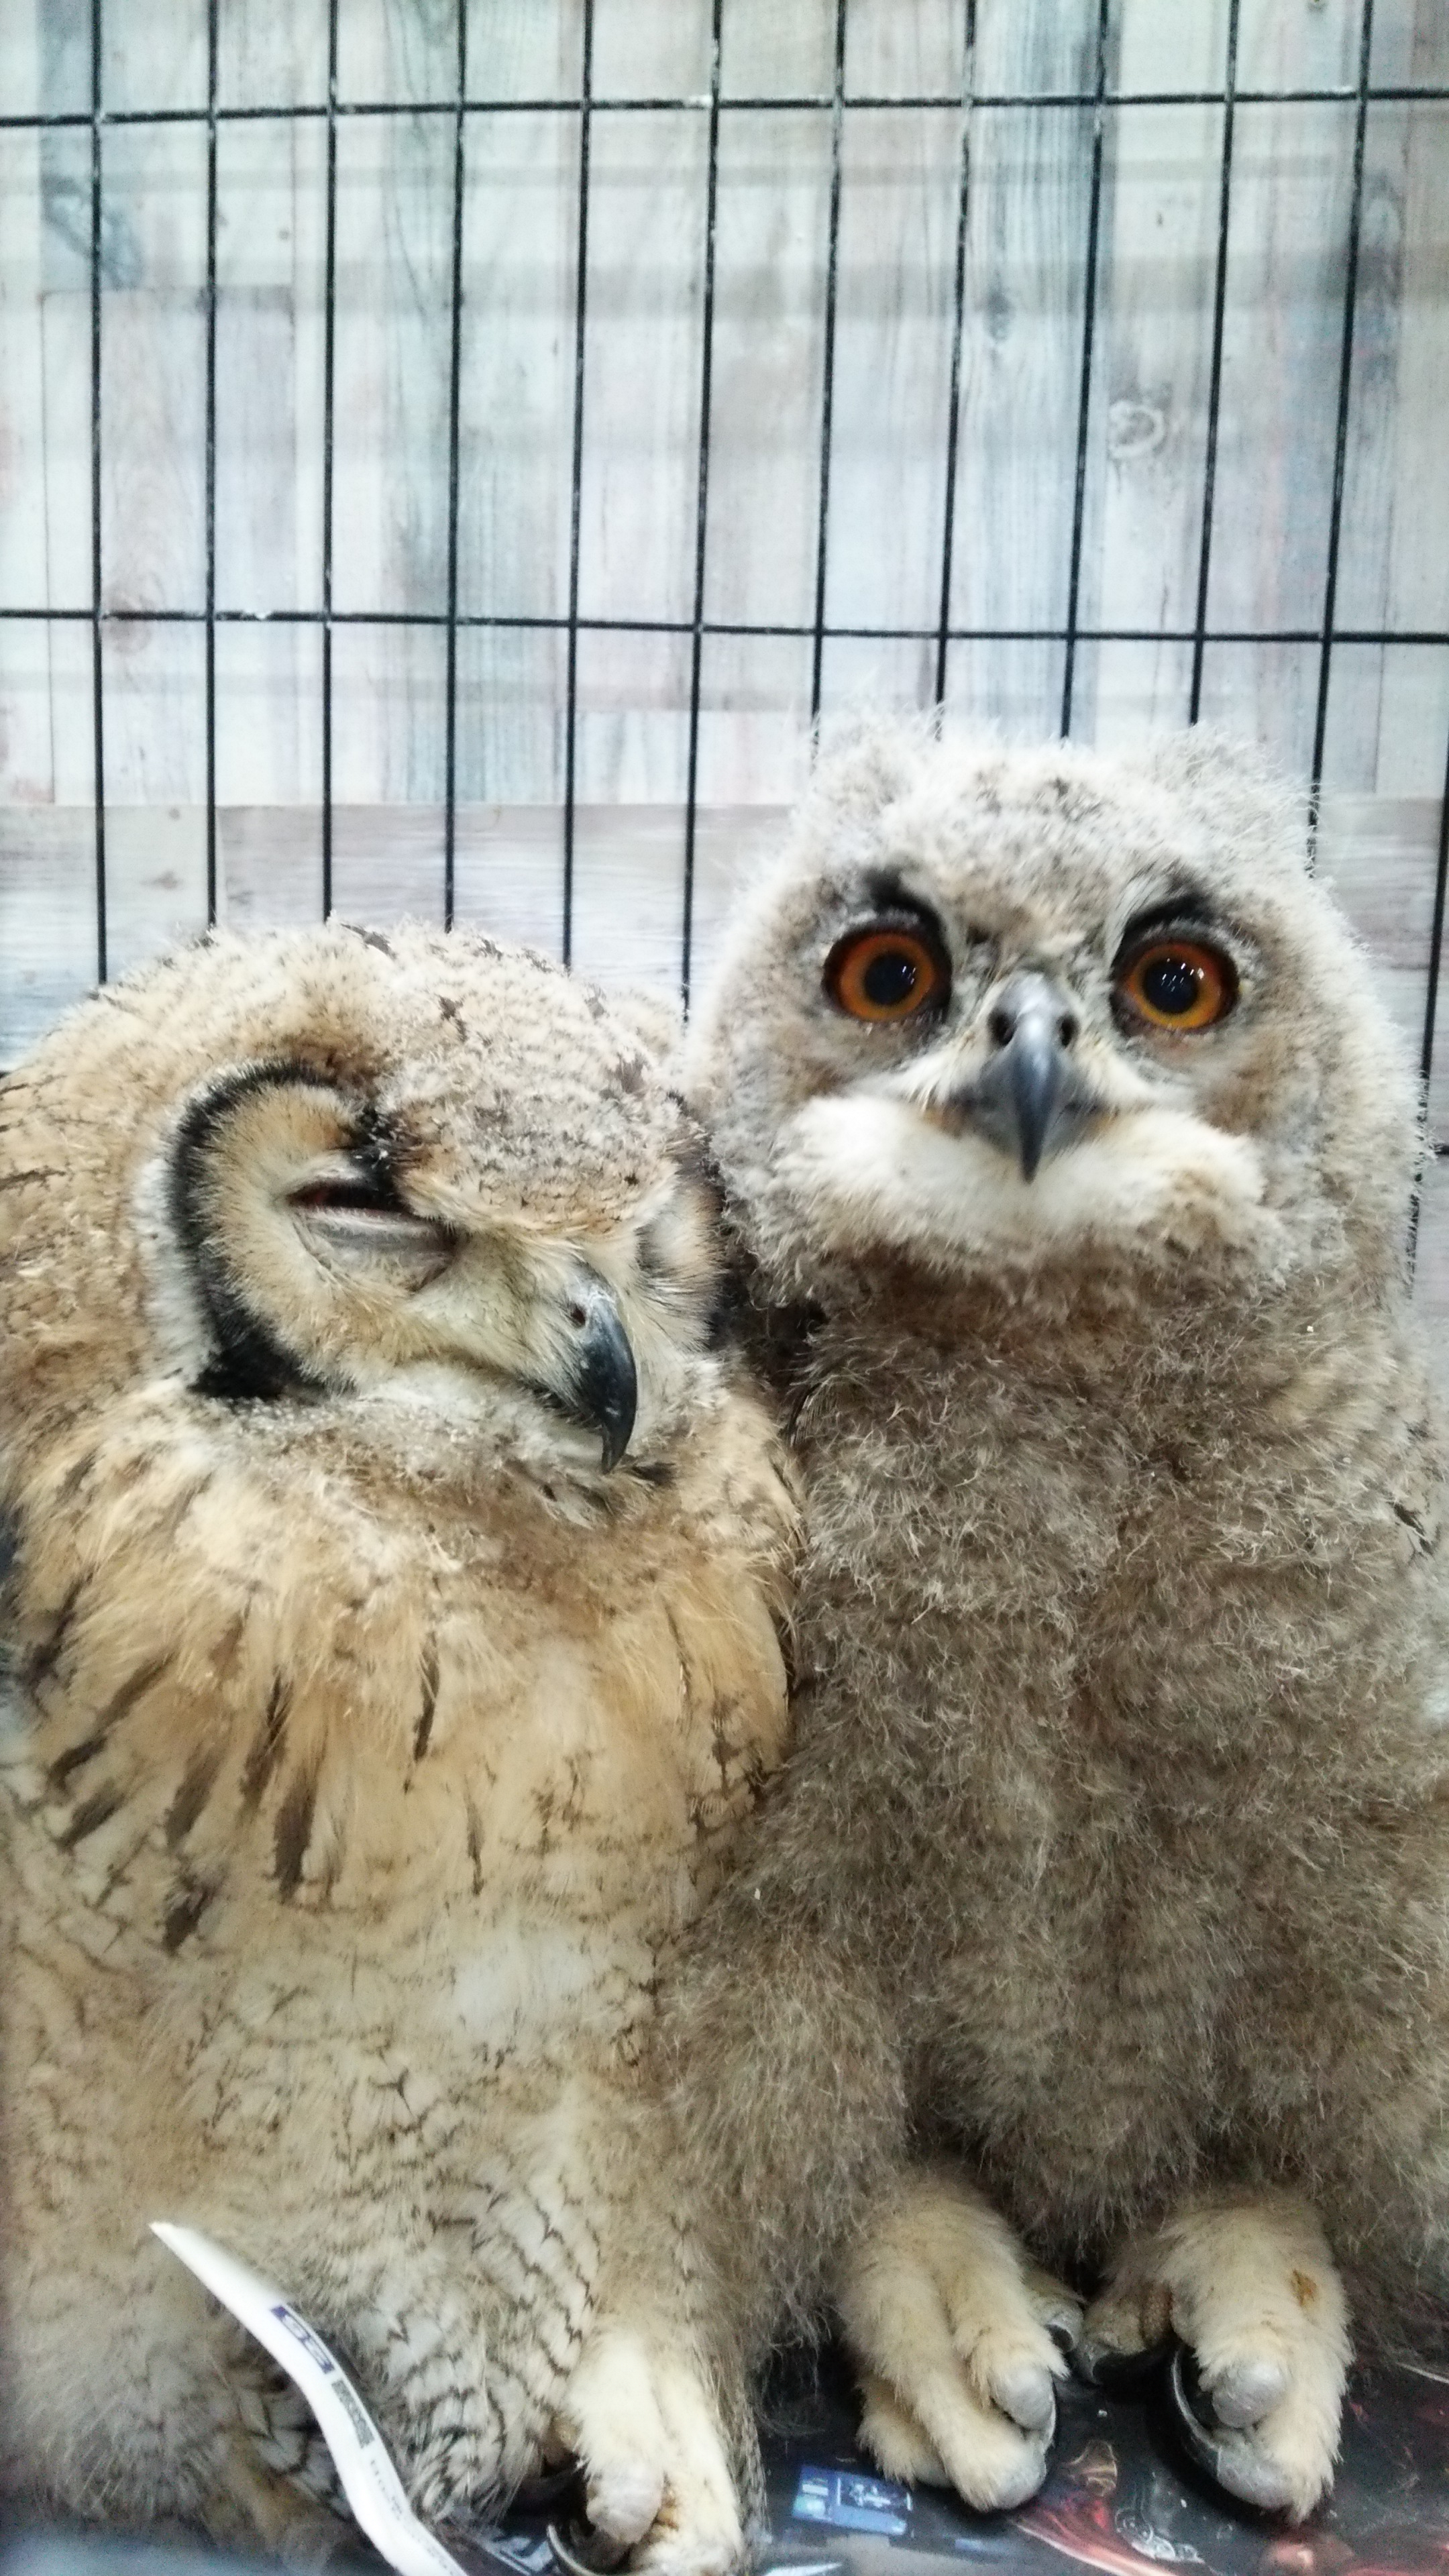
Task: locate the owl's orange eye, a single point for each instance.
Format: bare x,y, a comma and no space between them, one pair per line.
885,973
1177,984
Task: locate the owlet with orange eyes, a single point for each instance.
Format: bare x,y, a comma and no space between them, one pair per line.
393,1554
1106,1898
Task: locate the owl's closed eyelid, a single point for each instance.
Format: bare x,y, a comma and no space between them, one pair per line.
390,1243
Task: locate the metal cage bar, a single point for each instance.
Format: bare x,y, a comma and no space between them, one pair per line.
1084,400
1215,365
1404,93
455,373
329,380
576,478
1340,436
701,516
98,689
1431,1012
212,53
958,324
827,378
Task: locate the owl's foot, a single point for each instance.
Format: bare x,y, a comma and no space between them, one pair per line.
657,2482
954,2331
1252,2291
253,2501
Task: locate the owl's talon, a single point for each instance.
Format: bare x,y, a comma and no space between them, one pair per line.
953,2329
1107,2366
1248,2391
1257,2381
656,2477
1230,2455
1027,2393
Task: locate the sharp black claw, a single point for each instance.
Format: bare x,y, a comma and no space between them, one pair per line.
1099,2366
585,2553
1202,2438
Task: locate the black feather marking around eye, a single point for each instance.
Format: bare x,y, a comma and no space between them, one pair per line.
266,1753
88,1818
1188,908
249,1360
188,1902
197,1782
886,891
423,1730
293,1830
117,1707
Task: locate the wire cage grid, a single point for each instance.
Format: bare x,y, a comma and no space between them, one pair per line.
966,104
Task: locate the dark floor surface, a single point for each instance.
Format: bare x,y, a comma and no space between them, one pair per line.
1122,2496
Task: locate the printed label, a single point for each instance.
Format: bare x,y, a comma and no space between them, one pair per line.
370,2482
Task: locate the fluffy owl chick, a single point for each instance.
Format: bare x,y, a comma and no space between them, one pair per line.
391,1655
1070,1155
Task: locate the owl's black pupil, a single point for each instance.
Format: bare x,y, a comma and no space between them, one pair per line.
1171,985
890,978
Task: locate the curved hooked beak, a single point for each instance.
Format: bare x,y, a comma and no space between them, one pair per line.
600,1384
1030,1098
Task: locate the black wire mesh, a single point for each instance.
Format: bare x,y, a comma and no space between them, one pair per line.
968,104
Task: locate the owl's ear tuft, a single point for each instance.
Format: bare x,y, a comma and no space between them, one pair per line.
864,763
1228,785
655,1023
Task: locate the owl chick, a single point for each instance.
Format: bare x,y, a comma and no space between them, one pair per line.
1070,1156
394,1567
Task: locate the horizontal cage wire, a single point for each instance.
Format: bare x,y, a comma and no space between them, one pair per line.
728,529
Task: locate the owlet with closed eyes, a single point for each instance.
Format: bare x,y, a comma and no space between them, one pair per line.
394,1558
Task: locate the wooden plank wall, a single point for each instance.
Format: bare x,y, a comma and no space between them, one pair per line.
1023,313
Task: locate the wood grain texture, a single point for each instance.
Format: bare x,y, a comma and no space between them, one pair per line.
1028,174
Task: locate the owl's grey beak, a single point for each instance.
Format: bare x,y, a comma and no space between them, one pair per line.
1030,1098
601,1384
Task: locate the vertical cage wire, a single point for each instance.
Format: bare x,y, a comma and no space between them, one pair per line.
1340,435
701,513
1084,399
958,324
576,476
329,391
213,35
97,608
455,368
827,394
1215,365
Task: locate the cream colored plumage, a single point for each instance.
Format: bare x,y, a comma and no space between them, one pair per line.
367,1743
1110,1872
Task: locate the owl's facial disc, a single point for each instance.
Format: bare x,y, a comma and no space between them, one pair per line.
1027,1057
983,1071
317,1271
